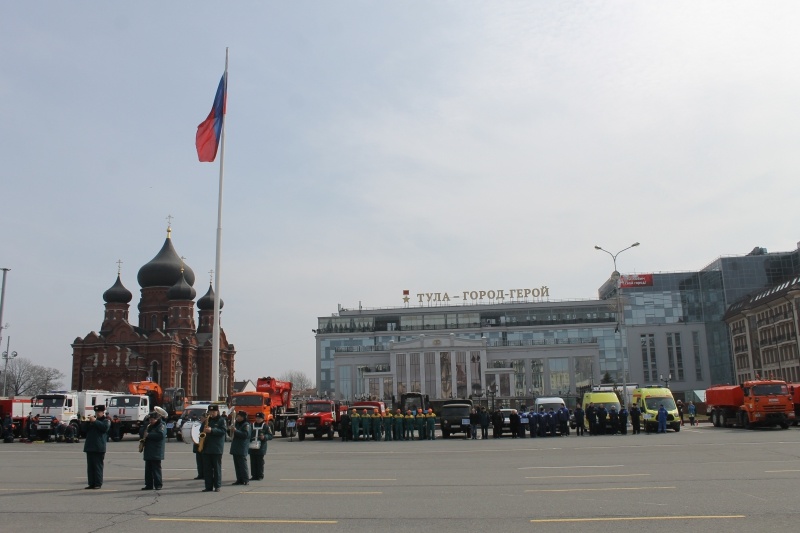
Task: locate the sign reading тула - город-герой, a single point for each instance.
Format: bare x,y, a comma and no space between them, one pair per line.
464,296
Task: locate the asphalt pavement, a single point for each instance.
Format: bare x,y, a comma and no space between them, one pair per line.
700,479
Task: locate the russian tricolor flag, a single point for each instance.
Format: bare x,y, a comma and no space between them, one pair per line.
210,130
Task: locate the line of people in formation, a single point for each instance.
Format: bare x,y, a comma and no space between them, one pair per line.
556,422
248,441
372,425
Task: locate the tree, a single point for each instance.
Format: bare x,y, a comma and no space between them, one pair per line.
27,379
300,381
607,378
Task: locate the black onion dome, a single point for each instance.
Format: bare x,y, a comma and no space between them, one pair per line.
164,270
206,303
117,294
181,290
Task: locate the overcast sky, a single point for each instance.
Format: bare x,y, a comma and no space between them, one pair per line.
373,147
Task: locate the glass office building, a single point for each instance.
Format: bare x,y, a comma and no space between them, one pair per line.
672,332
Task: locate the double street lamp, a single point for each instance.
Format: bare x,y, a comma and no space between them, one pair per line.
6,356
667,380
620,317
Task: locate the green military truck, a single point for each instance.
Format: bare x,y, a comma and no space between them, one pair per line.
454,417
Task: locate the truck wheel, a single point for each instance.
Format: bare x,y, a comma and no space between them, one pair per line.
301,436
676,427
283,431
445,434
330,434
746,422
784,425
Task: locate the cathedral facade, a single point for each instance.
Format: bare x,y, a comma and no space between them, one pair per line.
165,345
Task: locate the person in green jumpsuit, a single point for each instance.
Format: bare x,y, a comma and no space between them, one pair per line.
408,425
420,423
366,424
377,423
430,423
388,422
399,420
355,423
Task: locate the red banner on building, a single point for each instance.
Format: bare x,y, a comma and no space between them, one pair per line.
635,280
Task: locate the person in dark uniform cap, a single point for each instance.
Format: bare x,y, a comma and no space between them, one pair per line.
240,446
154,436
214,444
96,429
261,434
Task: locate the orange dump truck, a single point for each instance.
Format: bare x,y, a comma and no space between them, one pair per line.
272,397
758,403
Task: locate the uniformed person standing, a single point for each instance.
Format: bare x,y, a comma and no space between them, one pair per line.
377,423
213,447
262,435
399,421
198,457
366,424
155,437
430,423
96,429
240,448
355,422
408,425
388,422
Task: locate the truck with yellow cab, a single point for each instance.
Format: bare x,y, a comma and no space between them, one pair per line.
649,399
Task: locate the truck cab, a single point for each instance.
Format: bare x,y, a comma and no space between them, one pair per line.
320,418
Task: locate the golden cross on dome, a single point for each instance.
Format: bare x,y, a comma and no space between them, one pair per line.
119,267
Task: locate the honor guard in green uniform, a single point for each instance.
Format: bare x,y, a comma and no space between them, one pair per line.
240,448
420,423
430,422
215,429
408,425
355,423
366,424
377,424
388,421
96,429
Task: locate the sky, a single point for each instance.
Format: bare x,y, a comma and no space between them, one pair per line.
376,147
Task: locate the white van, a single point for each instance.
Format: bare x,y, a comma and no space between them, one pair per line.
547,402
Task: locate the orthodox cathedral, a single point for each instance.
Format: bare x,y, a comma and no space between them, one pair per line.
165,346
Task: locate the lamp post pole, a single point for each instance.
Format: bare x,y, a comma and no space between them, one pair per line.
6,356
667,380
620,314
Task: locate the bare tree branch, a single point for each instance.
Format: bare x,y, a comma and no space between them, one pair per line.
27,379
299,379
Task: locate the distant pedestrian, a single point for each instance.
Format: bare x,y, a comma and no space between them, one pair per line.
661,417
579,421
484,423
636,415
474,422
692,412
623,420
679,405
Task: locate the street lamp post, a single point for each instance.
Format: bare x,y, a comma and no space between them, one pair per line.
667,380
6,356
620,323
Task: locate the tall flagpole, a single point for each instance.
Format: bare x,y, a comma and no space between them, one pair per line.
217,292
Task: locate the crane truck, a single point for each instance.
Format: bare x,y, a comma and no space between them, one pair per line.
272,397
171,399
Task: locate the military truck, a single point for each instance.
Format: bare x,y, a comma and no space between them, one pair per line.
454,417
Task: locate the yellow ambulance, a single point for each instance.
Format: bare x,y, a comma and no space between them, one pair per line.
649,399
605,397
